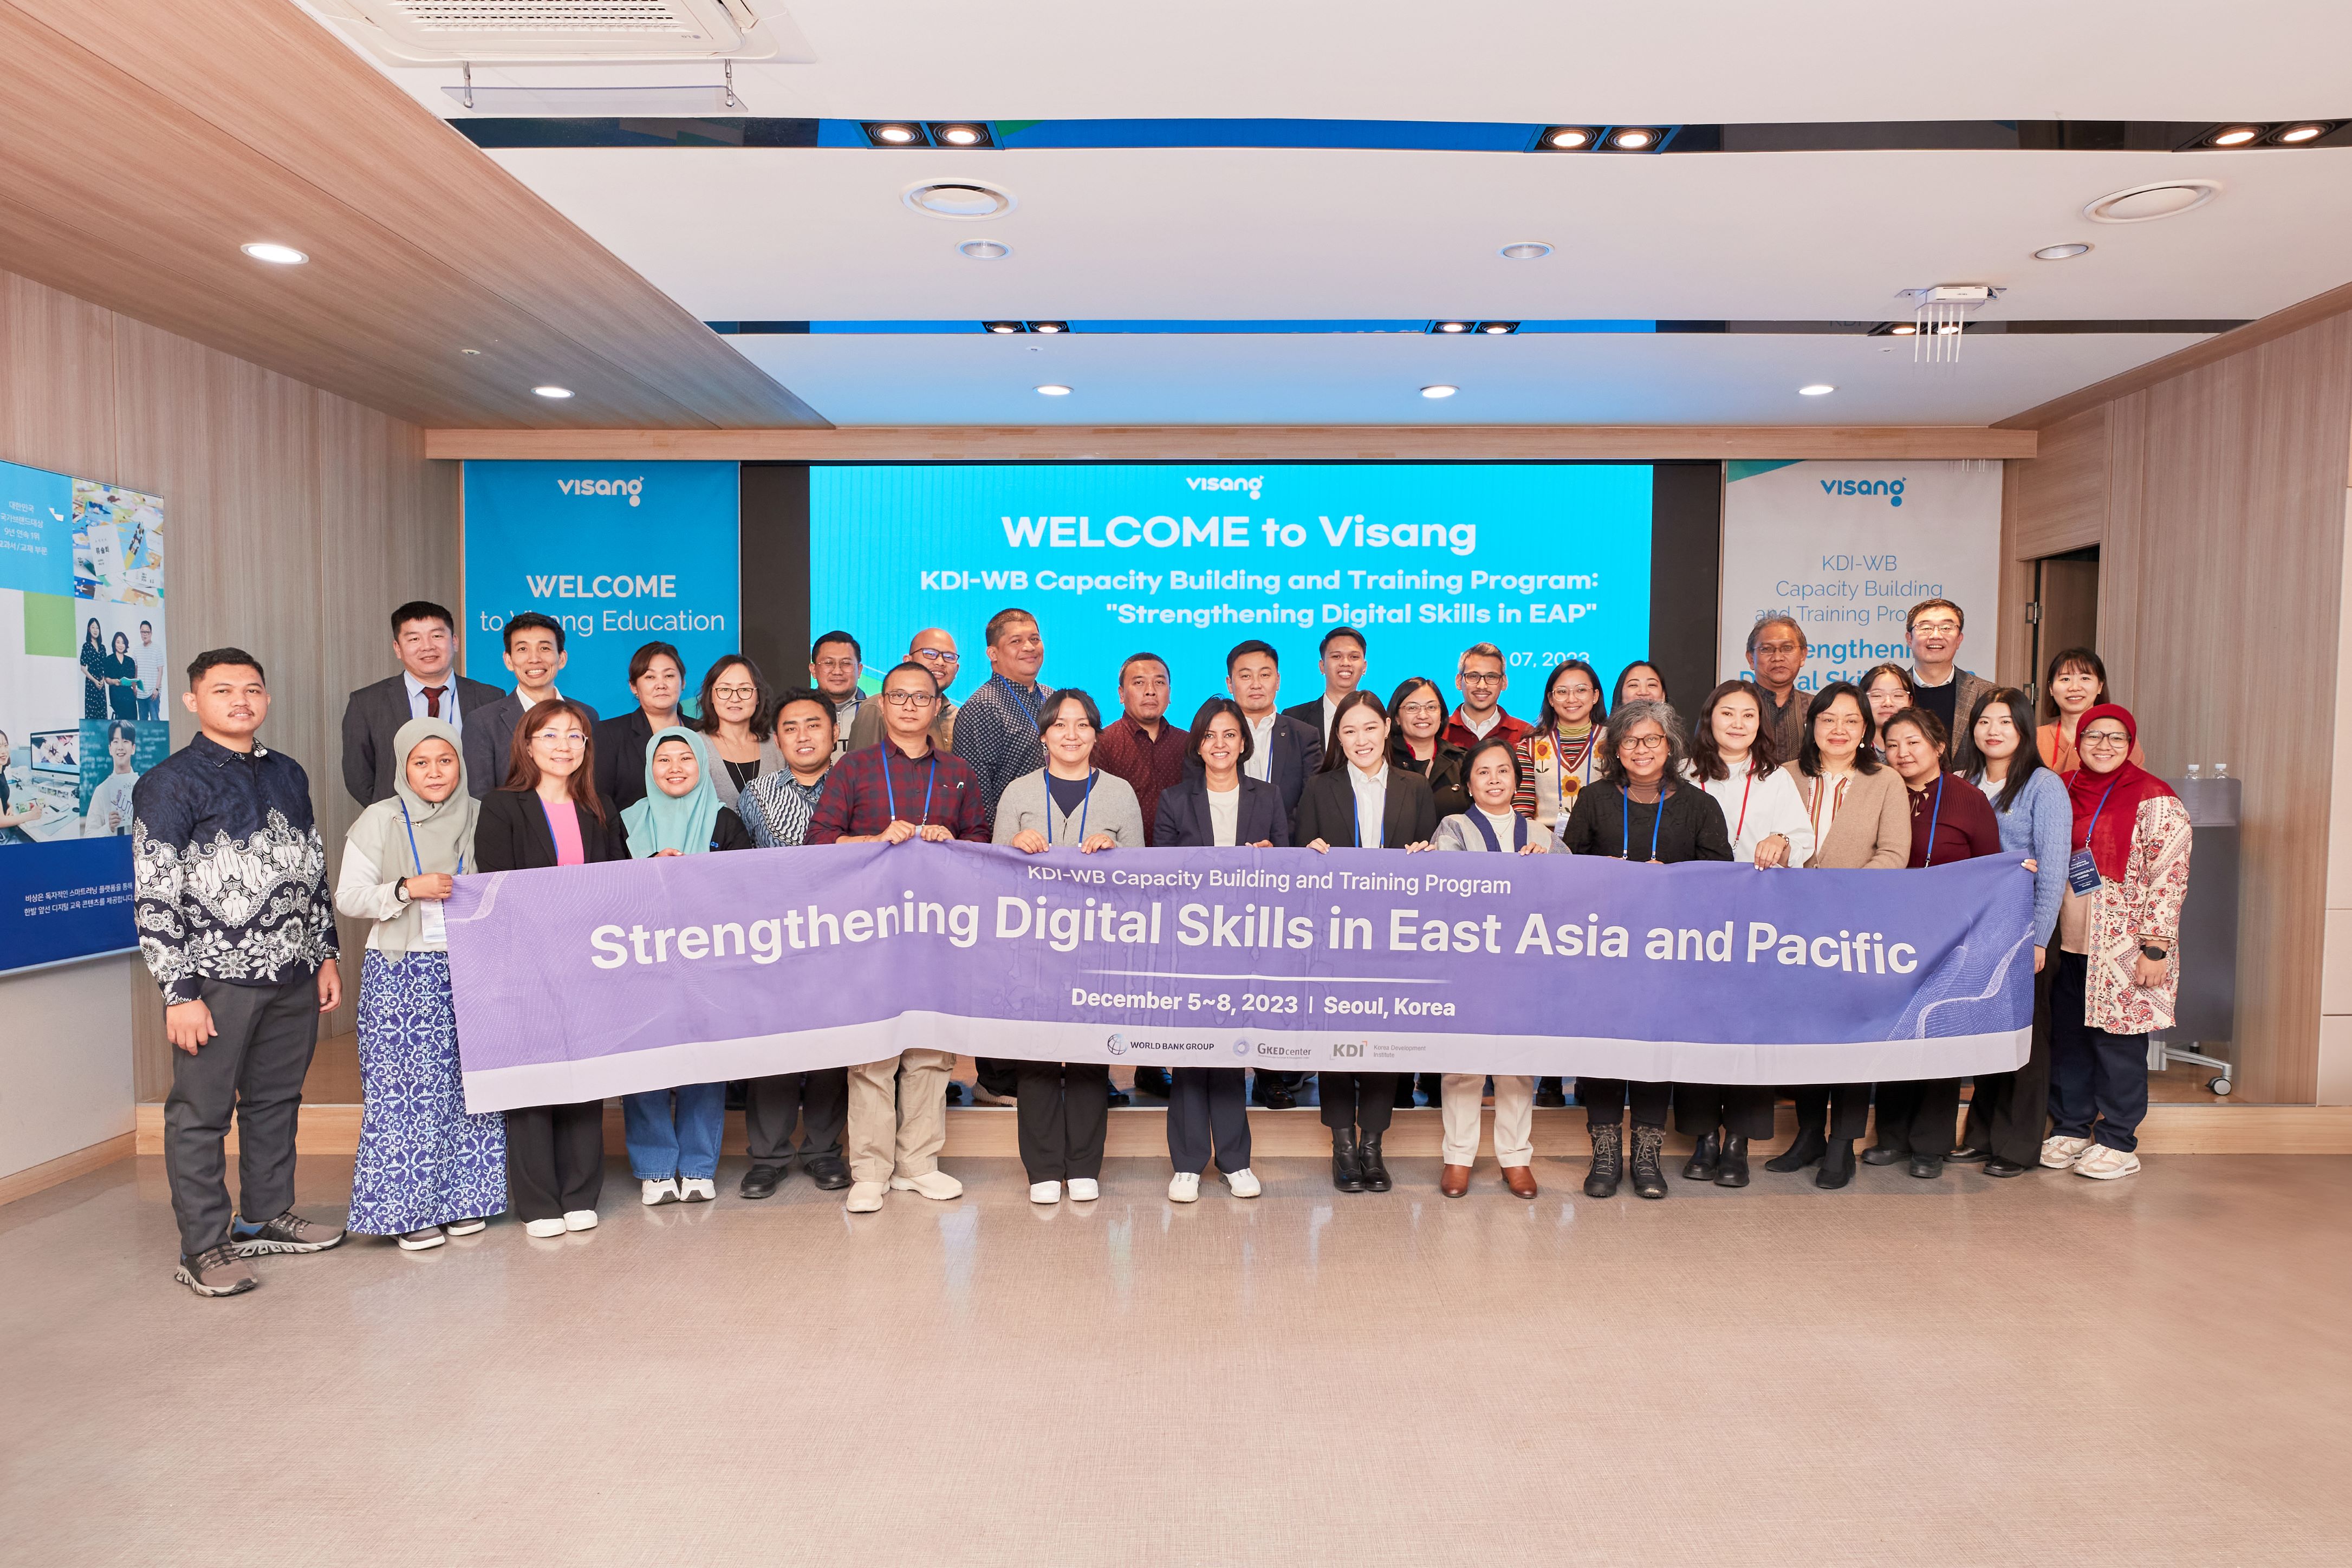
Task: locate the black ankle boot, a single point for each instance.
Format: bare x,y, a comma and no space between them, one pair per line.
1810,1147
1608,1162
1347,1169
1704,1160
1376,1174
1732,1171
1837,1165
1649,1142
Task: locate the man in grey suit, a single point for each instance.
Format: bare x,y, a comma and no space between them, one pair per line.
534,656
425,641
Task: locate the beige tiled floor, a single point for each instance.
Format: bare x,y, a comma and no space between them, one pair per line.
2154,1371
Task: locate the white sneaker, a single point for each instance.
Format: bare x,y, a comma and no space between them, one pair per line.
866,1197
659,1192
1243,1182
543,1228
2060,1154
1045,1192
579,1219
1084,1189
930,1184
2104,1163
423,1240
466,1227
1184,1186
697,1190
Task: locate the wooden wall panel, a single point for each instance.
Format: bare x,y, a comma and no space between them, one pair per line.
2063,491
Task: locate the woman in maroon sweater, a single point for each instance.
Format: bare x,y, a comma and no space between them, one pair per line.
1950,821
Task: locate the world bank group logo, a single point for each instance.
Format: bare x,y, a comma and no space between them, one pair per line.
1241,1047
1116,1045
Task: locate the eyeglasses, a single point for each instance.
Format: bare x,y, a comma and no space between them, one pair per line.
568,737
836,664
1641,743
734,694
1420,710
1778,649
937,656
1933,627
2104,738
1492,679
910,699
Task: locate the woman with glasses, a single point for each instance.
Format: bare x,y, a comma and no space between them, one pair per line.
548,813
1860,818
1420,745
1359,801
1644,811
1890,690
1558,760
2075,684
2118,949
738,723
656,679
1066,1105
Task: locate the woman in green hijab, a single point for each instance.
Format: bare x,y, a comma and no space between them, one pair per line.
425,1169
674,1133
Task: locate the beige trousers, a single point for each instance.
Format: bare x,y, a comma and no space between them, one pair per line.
898,1115
1515,1116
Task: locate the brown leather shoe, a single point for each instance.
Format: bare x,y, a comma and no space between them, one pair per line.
1520,1180
1454,1180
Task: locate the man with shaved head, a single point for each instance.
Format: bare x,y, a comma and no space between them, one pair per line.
935,649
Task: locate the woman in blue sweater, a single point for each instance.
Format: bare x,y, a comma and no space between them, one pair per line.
2037,820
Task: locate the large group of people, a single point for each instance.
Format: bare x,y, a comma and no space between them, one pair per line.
1911,767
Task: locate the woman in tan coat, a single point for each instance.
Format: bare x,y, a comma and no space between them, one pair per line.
1860,816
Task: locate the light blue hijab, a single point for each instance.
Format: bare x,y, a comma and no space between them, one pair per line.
682,822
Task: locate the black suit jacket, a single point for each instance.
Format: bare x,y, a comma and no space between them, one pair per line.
1183,820
1327,810
374,715
511,833
489,735
1297,752
1310,714
621,758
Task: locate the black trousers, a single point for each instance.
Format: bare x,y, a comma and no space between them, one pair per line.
1834,1110
1603,1099
251,1068
1363,1099
2099,1081
2008,1110
555,1159
1206,1104
1742,1108
1065,1110
771,1105
1000,1078
1916,1115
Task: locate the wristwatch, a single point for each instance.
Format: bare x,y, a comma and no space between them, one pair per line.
399,890
2151,952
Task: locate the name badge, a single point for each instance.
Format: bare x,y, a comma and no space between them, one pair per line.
435,928
2083,873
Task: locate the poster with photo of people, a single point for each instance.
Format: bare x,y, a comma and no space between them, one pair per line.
84,677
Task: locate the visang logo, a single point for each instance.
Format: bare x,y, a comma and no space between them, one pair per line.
1890,488
632,488
1254,484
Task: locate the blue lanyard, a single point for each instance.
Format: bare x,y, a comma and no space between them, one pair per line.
1934,816
1036,711
2095,816
418,860
1085,800
1626,823
1477,815
891,794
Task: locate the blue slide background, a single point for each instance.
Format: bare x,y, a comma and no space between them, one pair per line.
895,549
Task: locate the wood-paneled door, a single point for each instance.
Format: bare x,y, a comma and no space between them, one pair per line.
2064,613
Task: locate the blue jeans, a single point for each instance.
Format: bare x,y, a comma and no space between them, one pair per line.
664,1144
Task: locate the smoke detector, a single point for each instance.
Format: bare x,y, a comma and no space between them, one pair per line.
452,32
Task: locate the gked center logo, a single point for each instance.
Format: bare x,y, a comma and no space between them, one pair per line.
1890,488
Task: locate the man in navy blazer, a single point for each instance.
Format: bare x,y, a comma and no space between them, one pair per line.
534,656
425,641
1283,751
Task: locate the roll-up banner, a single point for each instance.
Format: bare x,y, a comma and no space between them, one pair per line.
621,554
1848,548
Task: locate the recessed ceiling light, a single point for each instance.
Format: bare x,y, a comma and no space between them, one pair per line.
1004,326
1948,330
1527,250
1819,389
1564,138
273,253
1499,328
552,392
2059,252
960,135
1055,389
1049,328
894,133
1441,390
985,249
1632,139
2235,136
2145,203
1905,330
958,199
2296,135
1451,326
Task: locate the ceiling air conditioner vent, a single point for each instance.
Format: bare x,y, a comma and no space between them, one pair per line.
424,32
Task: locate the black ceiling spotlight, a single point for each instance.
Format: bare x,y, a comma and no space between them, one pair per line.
894,134
1049,326
1003,327
2240,135
1567,139
1634,138
1451,328
2303,132
1497,328
961,134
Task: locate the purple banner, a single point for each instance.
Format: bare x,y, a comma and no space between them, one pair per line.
586,981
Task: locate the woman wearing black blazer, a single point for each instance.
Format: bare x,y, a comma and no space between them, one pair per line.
552,816
1643,808
1360,801
656,679
1215,804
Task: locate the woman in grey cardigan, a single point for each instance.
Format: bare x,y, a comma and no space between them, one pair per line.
1069,802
